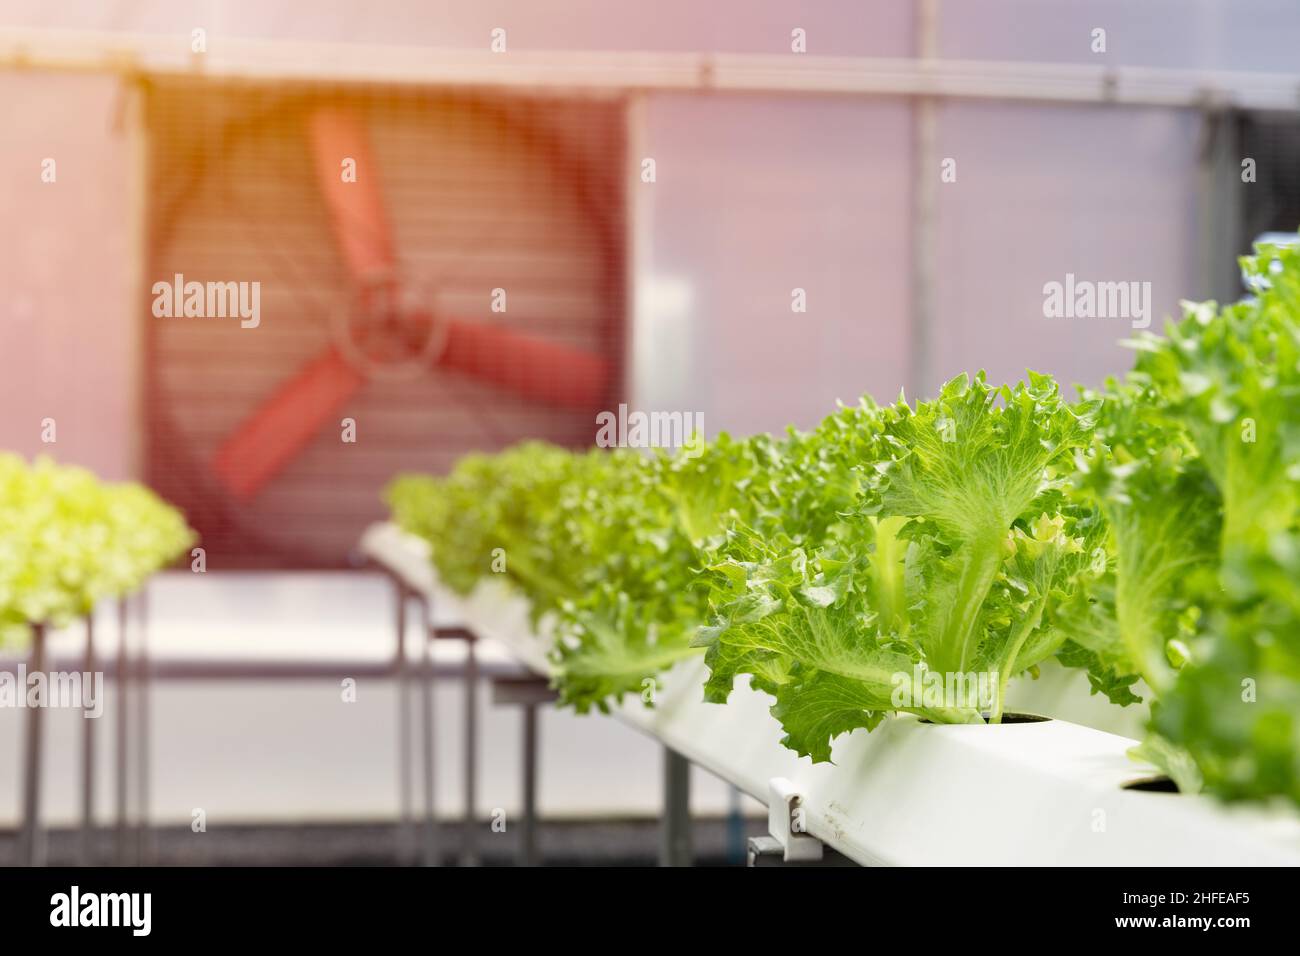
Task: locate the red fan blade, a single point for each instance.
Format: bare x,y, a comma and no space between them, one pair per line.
356,208
269,438
531,367
266,441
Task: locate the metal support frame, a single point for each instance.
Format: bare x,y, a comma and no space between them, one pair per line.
405,830
87,851
735,826
134,842
122,729
469,848
31,849
675,849
528,855
31,842
470,855
526,693
429,842
143,831
428,855
133,836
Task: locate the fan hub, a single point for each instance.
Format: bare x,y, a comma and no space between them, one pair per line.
387,332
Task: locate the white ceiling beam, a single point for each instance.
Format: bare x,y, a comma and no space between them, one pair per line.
619,72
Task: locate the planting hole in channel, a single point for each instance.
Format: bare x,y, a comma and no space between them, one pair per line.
1160,784
1015,718
1008,718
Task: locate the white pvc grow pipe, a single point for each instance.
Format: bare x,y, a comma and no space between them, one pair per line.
908,793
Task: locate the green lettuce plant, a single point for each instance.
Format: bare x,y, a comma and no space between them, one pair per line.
68,540
950,548
603,544
1148,533
1197,471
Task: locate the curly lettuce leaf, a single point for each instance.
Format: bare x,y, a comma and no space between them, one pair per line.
603,543
967,467
1230,379
69,540
944,557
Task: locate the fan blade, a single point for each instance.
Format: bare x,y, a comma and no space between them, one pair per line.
356,208
268,439
528,366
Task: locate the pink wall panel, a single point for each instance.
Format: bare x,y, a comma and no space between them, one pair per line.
1108,195
755,198
68,337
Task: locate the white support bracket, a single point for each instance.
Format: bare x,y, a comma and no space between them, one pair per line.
785,821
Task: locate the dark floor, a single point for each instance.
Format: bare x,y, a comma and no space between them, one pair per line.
716,842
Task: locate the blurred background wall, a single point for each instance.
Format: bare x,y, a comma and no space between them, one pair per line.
755,195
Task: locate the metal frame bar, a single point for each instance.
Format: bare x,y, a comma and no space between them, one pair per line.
430,829
87,850
735,825
143,832
528,855
425,675
429,670
404,833
469,851
676,849
469,855
122,760
526,693
30,837
132,726
276,670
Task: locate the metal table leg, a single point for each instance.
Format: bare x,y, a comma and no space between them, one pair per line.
528,832
123,707
29,851
528,693
736,842
144,849
676,847
404,830
430,841
88,757
469,853
469,842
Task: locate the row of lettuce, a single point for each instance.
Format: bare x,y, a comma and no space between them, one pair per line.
69,540
1148,533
